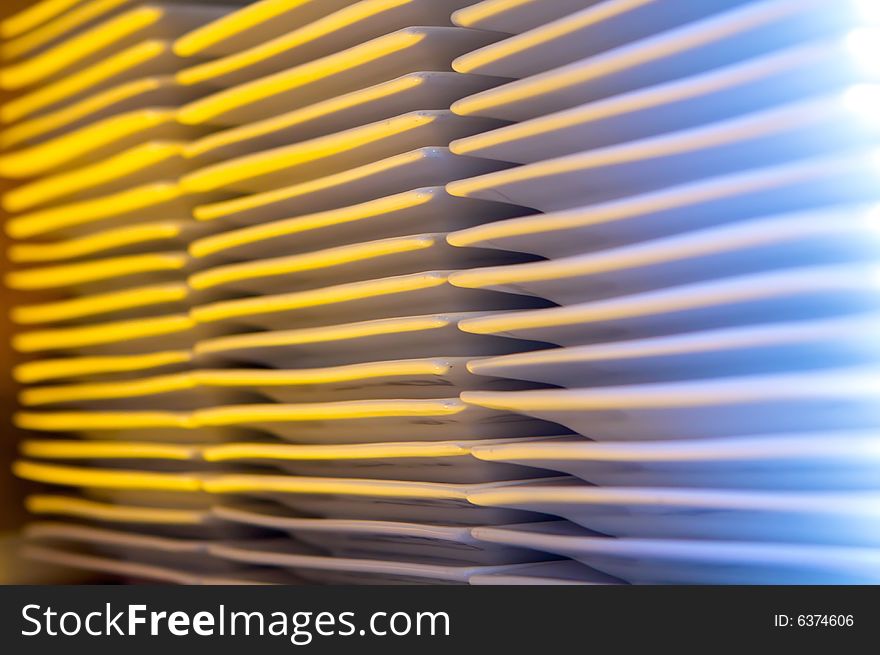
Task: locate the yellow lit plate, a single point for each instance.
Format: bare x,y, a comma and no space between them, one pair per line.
134,239
349,26
350,343
147,58
80,368
95,43
516,16
411,170
405,51
428,208
371,421
326,155
252,24
410,92
343,264
368,299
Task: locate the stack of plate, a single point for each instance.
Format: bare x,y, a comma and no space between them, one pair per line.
264,385
706,175
436,291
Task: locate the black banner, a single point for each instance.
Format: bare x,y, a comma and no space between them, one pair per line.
120,619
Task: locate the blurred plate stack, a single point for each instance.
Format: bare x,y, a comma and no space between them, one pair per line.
436,291
705,180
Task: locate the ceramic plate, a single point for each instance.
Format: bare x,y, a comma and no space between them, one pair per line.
137,239
301,43
146,59
720,94
428,208
333,153
118,367
798,294
366,299
436,377
252,24
391,500
410,92
771,348
409,50
658,561
449,543
842,461
582,34
516,16
699,46
355,343
356,421
343,264
560,572
387,177
96,42
833,518
444,461
827,236
803,185
834,399
774,136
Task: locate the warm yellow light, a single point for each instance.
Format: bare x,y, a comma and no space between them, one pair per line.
83,80
100,334
112,512
105,479
103,303
75,367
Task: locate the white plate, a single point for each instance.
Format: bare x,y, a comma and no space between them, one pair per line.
831,235
822,461
103,138
835,399
418,571
809,517
138,239
139,336
799,294
562,572
772,348
366,299
101,368
175,391
409,50
584,33
426,209
135,166
131,302
445,461
189,554
419,168
349,263
302,43
167,519
366,421
333,153
656,561
352,343
251,24
756,84
515,16
410,92
386,500
735,35
97,42
156,91
802,185
102,275
797,130
436,377
386,538
146,59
